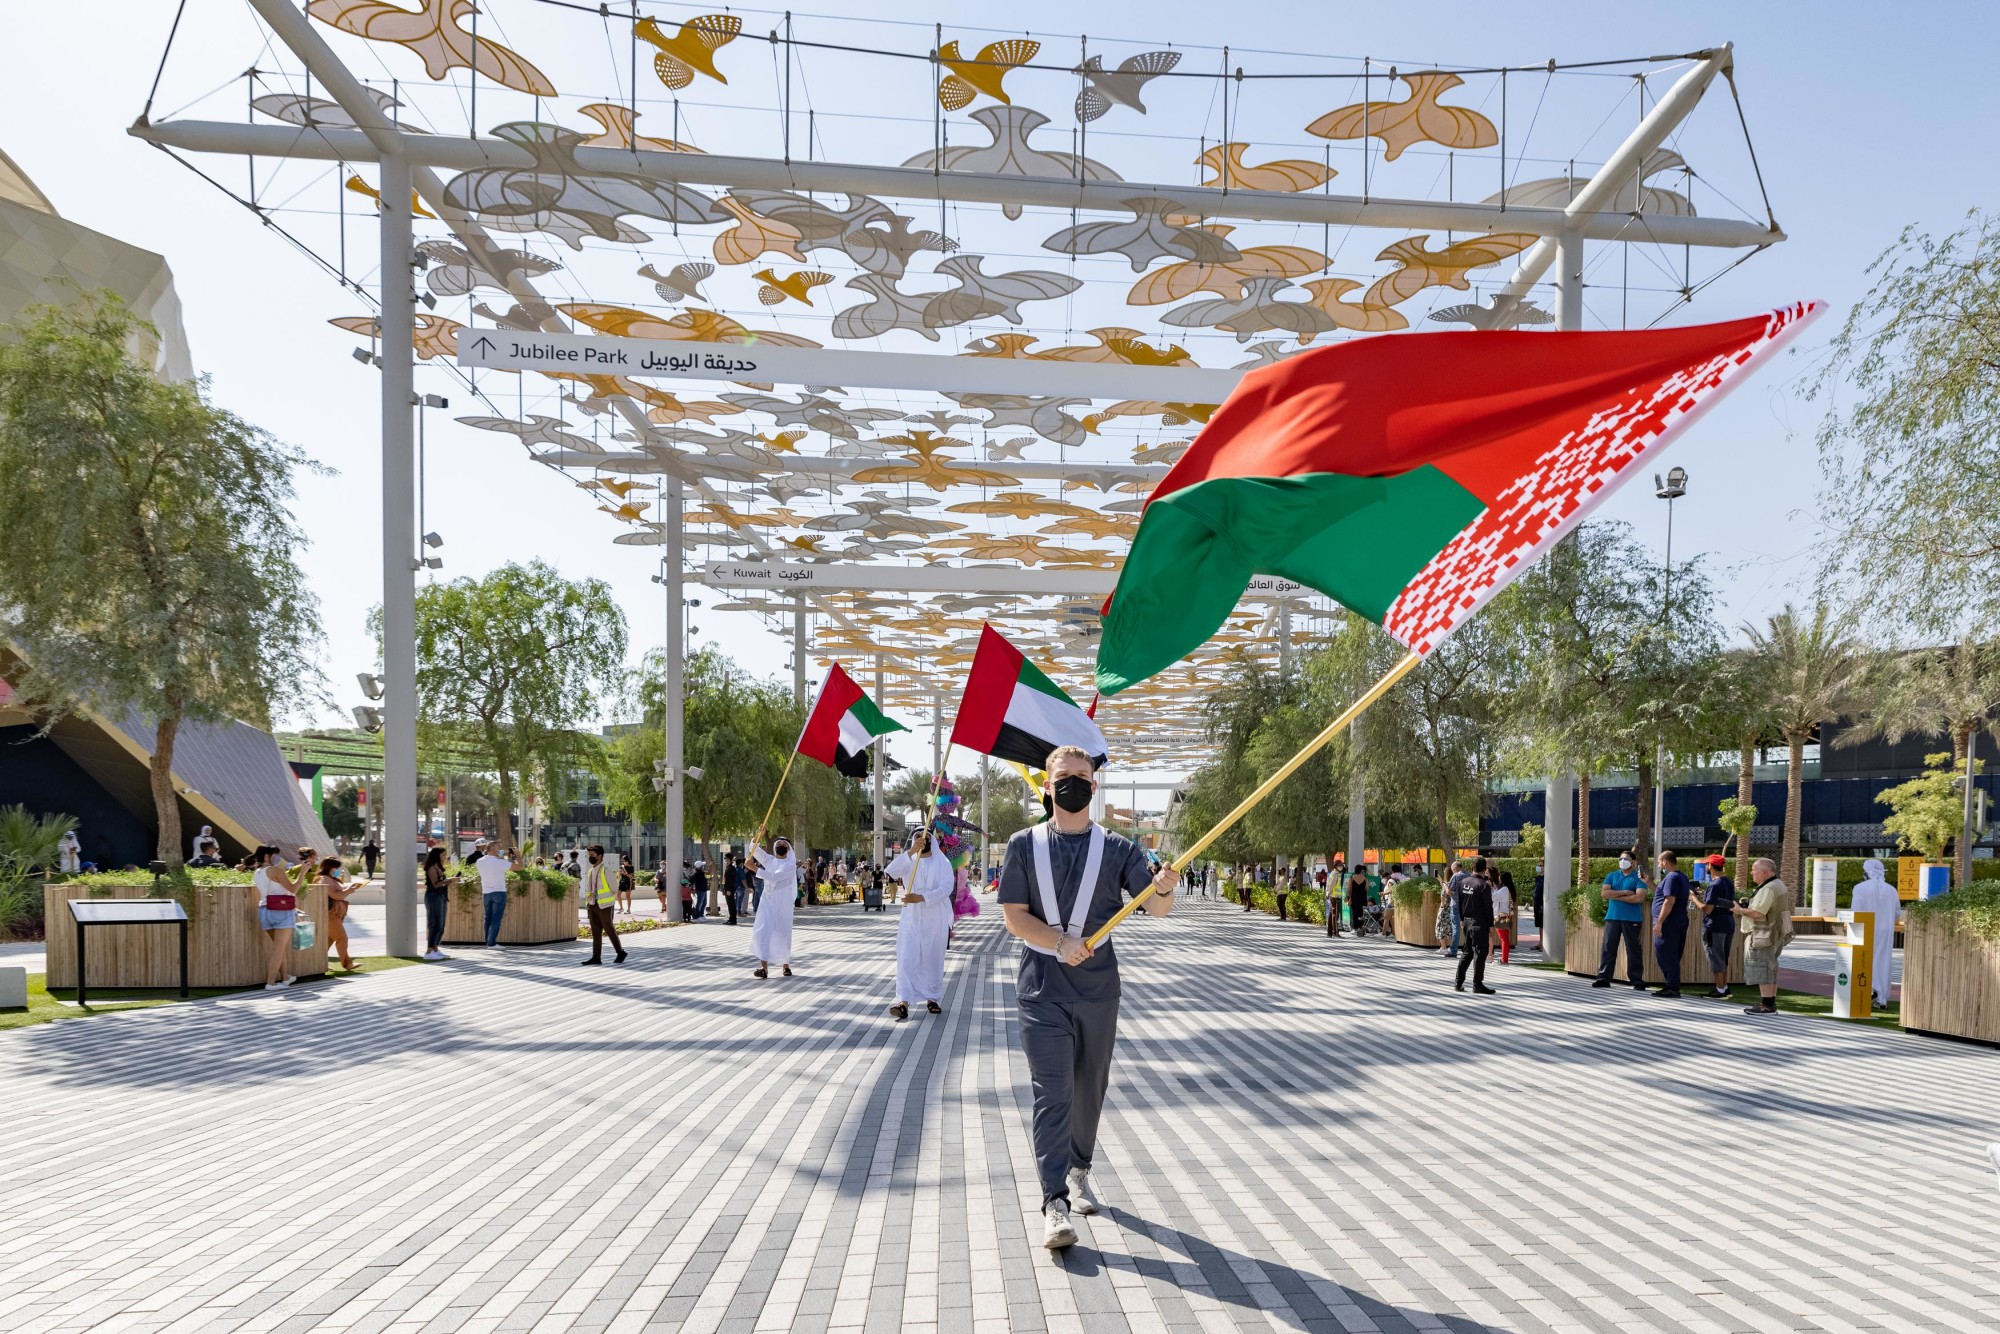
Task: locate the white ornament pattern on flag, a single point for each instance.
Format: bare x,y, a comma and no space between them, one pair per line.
1567,482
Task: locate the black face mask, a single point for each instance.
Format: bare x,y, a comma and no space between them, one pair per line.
782,850
1073,792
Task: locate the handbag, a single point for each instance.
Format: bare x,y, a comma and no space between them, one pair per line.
302,934
282,902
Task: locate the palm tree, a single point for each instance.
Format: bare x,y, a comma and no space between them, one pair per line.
1816,670
1739,714
1953,690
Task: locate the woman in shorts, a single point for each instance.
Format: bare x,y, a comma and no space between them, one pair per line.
277,911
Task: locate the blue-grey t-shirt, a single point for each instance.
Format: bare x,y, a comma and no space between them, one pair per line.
1673,887
1616,910
1122,872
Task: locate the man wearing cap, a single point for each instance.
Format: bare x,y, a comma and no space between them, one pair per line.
1060,882
1718,924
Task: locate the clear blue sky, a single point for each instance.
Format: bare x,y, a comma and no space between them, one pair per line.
1861,121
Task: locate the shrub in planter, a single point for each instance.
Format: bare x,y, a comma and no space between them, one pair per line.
1951,963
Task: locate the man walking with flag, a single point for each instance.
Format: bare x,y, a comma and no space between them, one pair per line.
1060,881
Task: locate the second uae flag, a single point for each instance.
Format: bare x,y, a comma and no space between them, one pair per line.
1012,711
843,724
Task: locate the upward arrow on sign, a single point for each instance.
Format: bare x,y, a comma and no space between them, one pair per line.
483,345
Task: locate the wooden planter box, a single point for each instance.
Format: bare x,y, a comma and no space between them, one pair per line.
1419,927
225,948
1584,938
532,918
1951,982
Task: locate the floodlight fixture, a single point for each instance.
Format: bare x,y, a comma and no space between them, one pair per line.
435,401
372,685
1674,487
364,356
367,719
433,540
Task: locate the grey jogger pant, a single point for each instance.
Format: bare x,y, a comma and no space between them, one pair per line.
1068,1046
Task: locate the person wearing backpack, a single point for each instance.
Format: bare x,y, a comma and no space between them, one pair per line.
1768,917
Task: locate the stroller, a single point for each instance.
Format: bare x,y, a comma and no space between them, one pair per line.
871,893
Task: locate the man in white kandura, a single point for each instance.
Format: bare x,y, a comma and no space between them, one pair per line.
1877,895
1062,880
923,924
771,935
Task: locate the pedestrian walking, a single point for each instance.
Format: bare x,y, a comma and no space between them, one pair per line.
662,882
1768,913
1449,920
1472,896
1357,901
1876,895
599,905
337,894
1505,912
1625,897
626,884
493,869
1060,881
277,912
1541,922
732,885
697,901
923,923
1670,923
437,896
1718,925
771,935
370,854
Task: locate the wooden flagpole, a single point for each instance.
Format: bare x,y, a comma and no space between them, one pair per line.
1269,785
765,823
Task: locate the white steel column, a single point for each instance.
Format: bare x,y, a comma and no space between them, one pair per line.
881,762
985,816
1357,798
1556,835
672,703
396,358
799,651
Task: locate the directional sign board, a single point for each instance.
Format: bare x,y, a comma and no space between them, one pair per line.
853,576
675,359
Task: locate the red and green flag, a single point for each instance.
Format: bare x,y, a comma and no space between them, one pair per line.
1411,477
1013,711
843,724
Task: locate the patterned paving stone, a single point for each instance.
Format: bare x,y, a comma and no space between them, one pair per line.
1303,1135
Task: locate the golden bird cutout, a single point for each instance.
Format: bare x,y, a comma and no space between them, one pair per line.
1174,282
435,336
700,326
784,442
984,73
1023,547
925,467
1365,316
361,187
618,489
720,513
1227,169
1418,267
1020,505
433,31
797,286
620,131
755,236
691,50
630,512
1413,120
1096,525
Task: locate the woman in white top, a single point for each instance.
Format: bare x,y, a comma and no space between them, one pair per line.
69,853
771,937
277,911
924,924
1503,913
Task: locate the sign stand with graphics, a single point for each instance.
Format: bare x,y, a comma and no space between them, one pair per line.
1853,983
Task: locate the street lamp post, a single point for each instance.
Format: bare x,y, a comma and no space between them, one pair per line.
1670,490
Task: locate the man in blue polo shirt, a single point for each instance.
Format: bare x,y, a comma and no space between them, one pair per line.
1626,895
1670,922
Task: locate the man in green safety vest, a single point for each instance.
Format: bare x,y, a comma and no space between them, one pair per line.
600,903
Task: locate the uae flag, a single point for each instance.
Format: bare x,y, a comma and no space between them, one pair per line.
1012,710
843,724
1410,477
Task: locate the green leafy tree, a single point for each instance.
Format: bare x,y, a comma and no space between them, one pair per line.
340,812
29,849
1910,437
1307,813
1924,813
1817,670
1009,808
509,669
146,541
1533,842
1737,818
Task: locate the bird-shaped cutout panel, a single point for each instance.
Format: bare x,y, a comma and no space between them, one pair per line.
1104,88
985,73
691,50
1417,118
792,287
1227,170
1418,267
435,33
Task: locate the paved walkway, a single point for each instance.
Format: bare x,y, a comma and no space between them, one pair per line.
1303,1135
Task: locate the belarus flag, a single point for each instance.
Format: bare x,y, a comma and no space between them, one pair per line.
843,724
1410,478
1011,710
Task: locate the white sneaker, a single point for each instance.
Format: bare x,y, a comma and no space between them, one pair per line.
288,981
1082,1194
274,986
436,956
1059,1232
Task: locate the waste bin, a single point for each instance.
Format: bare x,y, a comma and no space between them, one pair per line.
1853,984
871,897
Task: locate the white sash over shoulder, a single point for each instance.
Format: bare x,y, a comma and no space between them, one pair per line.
1045,882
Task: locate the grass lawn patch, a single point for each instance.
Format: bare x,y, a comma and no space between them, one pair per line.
1805,1002
45,1006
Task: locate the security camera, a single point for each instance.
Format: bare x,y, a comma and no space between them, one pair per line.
371,684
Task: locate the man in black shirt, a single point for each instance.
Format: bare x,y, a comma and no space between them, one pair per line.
1472,895
1067,992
